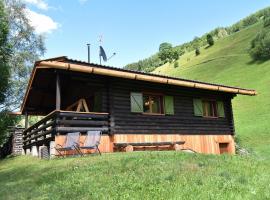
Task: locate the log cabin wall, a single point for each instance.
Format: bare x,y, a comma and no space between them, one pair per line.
182,122
116,101
200,134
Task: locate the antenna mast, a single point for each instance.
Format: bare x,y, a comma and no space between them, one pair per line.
88,48
100,42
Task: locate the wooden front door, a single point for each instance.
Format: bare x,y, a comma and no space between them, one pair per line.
223,148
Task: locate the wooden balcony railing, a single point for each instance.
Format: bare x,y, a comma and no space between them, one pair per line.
62,122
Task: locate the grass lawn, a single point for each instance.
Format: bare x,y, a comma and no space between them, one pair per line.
228,62
136,175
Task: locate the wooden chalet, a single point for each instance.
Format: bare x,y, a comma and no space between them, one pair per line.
134,110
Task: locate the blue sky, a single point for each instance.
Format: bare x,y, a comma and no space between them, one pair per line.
131,28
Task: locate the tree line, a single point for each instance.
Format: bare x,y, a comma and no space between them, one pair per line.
158,59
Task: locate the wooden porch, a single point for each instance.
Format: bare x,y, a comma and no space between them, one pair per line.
60,122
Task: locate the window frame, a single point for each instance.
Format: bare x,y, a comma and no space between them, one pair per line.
161,104
214,108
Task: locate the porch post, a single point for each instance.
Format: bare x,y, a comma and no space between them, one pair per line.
26,120
58,93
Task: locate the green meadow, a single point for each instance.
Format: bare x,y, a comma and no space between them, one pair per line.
137,175
228,62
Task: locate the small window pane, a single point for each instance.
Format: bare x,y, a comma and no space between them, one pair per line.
209,108
146,104
155,102
152,104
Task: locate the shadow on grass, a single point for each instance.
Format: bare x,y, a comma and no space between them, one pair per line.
253,62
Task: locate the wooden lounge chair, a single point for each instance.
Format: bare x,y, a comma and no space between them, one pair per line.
92,141
71,143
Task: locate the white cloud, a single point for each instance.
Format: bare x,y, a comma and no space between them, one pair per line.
41,23
38,3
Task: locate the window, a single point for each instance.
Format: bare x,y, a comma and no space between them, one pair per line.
152,104
209,108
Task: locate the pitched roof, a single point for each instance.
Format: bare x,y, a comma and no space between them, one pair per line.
65,63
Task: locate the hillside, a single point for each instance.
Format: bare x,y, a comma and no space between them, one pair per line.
228,62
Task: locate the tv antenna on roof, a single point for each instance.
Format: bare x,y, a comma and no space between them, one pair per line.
102,51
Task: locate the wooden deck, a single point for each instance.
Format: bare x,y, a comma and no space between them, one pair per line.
60,122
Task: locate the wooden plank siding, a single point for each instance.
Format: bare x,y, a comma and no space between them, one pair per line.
182,122
208,144
199,143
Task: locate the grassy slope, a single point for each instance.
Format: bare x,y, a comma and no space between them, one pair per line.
137,175
228,62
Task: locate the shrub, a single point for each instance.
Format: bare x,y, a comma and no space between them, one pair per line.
266,22
176,64
197,51
210,40
260,46
250,20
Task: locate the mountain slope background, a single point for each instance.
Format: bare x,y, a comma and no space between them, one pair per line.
228,62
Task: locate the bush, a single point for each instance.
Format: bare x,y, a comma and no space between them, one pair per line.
197,52
210,40
250,20
266,22
260,46
176,64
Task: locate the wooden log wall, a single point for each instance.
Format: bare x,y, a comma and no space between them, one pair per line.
183,121
116,101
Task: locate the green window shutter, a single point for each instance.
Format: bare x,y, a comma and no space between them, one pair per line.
198,107
136,102
169,105
220,109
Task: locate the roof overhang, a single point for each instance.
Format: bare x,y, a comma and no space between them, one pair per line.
63,63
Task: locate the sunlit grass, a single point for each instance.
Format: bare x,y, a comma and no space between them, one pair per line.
228,62
137,175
